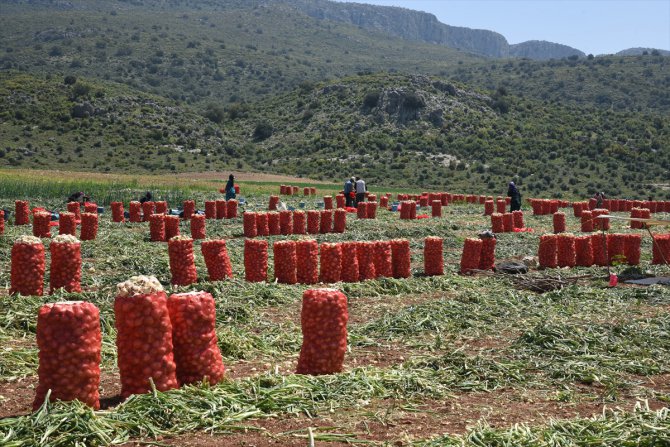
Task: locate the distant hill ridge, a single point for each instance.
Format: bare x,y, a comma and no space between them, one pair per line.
422,26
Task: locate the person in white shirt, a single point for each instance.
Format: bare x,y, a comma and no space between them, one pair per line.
360,190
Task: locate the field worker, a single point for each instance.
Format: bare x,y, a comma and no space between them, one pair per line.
348,189
599,196
78,197
230,187
513,193
147,197
360,190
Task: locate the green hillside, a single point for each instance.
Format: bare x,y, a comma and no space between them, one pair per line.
394,130
203,54
102,126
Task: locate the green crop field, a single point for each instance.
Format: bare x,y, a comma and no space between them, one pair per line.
451,360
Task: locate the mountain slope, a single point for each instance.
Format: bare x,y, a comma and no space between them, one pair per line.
46,122
408,24
543,50
401,130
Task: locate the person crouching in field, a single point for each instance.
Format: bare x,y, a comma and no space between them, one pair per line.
79,197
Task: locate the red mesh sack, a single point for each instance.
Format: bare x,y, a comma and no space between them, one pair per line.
632,248
326,222
65,270
231,209
323,319
599,247
273,223
635,213
383,259
157,228
189,209
553,206
536,204
21,212
274,201
400,255
299,222
69,342
517,216
171,227
436,208
135,211
384,202
89,226
182,261
210,209
583,251
331,263
365,252
285,262
423,201
559,223
262,224
198,230
194,340
41,224
488,207
75,208
255,260
487,256
497,225
328,202
90,207
312,191
340,201
616,248
144,337
547,207
67,223
161,207
286,222
2,222
433,263
249,224
412,210
472,249
307,261
27,270
340,222
587,222
362,210
577,209
547,251
313,221
501,206
147,210
565,250
371,210
508,222
216,259
661,249
349,262
117,212
600,224
305,191
221,209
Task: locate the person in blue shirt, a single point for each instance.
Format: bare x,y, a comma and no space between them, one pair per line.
230,187
348,189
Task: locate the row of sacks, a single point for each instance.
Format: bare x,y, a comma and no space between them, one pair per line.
164,342
568,250
307,262
294,222
294,190
507,222
142,212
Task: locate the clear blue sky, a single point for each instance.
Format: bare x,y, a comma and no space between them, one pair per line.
593,26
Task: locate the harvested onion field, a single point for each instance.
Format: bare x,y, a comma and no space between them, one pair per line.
449,360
